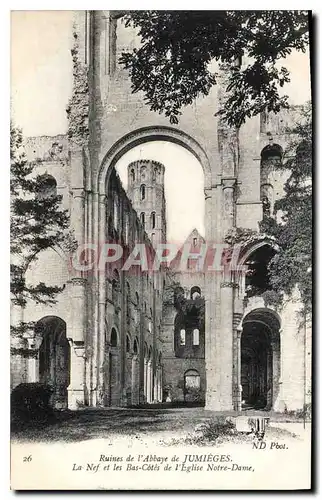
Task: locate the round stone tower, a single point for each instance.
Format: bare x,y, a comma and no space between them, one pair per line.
146,192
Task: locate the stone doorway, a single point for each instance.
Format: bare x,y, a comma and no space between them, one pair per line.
54,358
260,359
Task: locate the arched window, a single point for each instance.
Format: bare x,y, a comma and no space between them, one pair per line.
153,220
136,346
142,219
46,188
182,337
192,379
132,175
142,192
273,152
128,343
267,194
195,293
113,338
195,337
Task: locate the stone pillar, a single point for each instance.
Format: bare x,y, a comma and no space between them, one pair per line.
149,383
275,367
224,335
270,379
101,278
225,395
279,403
76,337
135,381
145,380
228,205
159,395
237,388
76,387
34,343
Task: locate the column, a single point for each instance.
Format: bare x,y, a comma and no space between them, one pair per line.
228,205
34,343
225,347
276,375
225,396
160,385
101,279
149,382
76,336
135,380
145,380
237,389
76,387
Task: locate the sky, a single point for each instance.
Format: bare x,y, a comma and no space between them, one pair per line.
41,82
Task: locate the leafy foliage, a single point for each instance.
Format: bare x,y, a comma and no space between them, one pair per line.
173,66
37,223
291,267
31,402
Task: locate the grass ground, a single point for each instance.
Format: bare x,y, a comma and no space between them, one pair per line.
165,424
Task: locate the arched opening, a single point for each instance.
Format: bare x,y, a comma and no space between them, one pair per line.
189,333
134,185
152,220
114,341
257,276
136,347
142,219
182,336
112,375
135,375
271,158
195,340
192,386
260,359
142,192
54,358
195,293
167,165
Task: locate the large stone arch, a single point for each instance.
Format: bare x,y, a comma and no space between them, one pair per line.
251,248
148,134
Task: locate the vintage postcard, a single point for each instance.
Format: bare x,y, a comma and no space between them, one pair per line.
161,233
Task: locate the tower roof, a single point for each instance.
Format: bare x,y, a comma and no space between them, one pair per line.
144,162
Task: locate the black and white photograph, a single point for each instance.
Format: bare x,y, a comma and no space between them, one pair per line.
161,250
